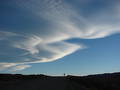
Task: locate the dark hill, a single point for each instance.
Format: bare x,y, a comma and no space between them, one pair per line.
43,82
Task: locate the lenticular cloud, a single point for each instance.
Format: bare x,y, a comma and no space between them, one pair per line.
41,28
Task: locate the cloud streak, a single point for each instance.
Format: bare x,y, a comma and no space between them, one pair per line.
56,22
19,67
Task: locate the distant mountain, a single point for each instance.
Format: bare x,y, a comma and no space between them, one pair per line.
43,82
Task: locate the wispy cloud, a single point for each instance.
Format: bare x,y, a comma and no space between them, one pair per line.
57,21
5,35
4,66
19,67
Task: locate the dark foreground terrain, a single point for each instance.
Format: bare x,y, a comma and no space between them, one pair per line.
42,82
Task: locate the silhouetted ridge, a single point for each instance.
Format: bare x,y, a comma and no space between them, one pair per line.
44,82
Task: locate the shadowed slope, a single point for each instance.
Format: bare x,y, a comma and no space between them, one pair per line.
42,82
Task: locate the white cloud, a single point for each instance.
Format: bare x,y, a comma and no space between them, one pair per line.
4,66
29,44
57,51
13,66
19,67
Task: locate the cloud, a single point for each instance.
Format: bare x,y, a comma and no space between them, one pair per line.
29,44
19,67
4,66
13,66
5,35
53,23
56,51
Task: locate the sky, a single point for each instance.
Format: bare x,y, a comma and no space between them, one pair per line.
54,37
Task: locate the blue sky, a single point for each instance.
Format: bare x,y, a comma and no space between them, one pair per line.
59,36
